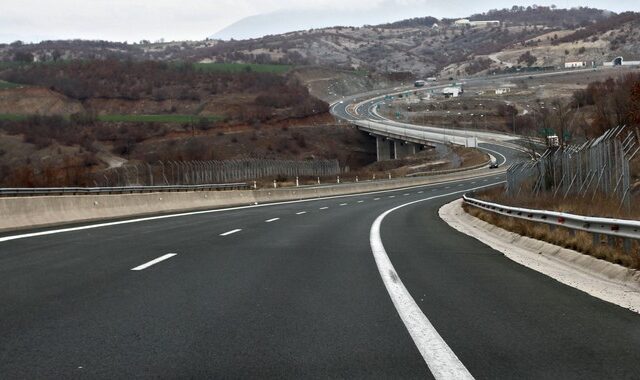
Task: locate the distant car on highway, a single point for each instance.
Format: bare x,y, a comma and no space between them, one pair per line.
494,165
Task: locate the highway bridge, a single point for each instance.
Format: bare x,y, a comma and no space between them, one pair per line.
369,285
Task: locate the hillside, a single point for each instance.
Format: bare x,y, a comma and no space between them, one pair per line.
618,35
422,46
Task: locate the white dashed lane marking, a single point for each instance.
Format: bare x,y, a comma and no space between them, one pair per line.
324,208
231,232
154,262
271,220
301,213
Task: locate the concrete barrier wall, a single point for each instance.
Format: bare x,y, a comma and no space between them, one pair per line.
42,211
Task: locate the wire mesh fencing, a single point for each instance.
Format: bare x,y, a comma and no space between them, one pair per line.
208,172
597,167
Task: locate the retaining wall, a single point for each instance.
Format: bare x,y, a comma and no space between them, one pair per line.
42,211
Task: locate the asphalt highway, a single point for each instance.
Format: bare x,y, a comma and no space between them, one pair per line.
293,290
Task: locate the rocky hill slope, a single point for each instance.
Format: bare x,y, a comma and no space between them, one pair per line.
422,46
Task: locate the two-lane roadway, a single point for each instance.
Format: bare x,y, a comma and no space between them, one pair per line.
297,289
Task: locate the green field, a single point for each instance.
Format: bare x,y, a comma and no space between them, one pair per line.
132,118
11,117
6,85
242,67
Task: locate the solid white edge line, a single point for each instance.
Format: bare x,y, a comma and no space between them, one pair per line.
211,211
231,232
496,152
441,360
154,262
271,220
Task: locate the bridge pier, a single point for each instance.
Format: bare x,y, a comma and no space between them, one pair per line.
404,149
383,148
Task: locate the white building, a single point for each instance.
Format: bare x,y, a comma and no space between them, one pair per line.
452,92
573,65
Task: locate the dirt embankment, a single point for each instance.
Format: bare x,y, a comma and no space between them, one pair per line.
34,100
333,84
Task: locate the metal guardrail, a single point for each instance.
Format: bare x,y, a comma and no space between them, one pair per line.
613,228
20,192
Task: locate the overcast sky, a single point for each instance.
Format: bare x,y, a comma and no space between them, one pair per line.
133,20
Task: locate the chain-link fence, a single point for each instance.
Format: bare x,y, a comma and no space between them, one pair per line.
207,172
597,167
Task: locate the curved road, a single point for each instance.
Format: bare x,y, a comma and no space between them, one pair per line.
305,289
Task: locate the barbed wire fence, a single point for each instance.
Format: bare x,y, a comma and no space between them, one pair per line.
209,172
598,167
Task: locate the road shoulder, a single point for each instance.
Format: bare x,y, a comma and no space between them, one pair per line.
601,279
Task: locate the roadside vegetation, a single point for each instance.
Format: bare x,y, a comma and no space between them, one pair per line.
243,67
148,87
64,122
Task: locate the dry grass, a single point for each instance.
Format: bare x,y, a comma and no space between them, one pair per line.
598,205
580,241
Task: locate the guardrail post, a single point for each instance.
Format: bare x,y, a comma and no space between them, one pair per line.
596,239
275,184
318,180
297,182
255,185
626,245
338,180
611,240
